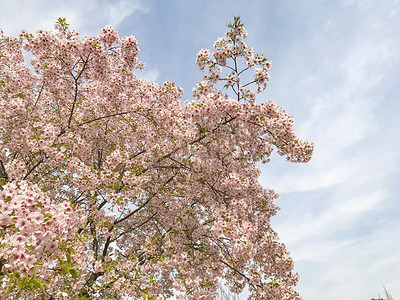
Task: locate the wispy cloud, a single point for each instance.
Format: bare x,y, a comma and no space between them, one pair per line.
340,211
335,217
117,11
150,75
359,266
86,16
341,117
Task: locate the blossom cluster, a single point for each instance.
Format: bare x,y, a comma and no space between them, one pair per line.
228,50
36,234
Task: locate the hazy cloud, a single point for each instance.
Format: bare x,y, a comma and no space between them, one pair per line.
87,16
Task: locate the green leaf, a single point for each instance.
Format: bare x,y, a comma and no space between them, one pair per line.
20,95
74,273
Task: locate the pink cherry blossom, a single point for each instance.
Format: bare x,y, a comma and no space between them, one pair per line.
111,186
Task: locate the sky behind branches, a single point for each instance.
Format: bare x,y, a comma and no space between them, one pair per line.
336,68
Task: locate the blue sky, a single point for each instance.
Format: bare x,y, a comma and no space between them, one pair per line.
336,68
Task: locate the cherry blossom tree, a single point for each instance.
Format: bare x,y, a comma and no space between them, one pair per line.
112,186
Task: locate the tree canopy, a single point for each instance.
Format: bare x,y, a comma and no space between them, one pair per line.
112,186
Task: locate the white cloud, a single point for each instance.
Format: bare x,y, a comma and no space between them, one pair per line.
336,216
342,117
150,75
117,12
339,217
85,16
360,266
